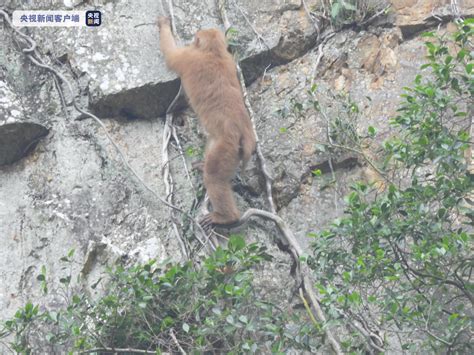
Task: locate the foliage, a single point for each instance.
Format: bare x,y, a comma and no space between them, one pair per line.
353,11
215,308
401,261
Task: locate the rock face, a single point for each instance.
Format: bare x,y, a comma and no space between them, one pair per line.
17,139
62,185
21,124
18,134
413,16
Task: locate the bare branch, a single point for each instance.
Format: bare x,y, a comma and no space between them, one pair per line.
308,13
259,36
261,158
173,336
373,17
308,310
294,246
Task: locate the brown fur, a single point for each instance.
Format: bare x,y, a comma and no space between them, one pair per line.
209,77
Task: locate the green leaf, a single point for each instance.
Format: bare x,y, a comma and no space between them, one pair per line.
427,34
453,316
372,131
65,280
229,289
186,327
469,68
316,172
236,243
231,31
190,152
335,9
461,54
431,47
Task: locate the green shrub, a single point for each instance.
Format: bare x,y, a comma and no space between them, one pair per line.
214,308
401,261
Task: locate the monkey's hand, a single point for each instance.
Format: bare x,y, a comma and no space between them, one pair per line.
164,21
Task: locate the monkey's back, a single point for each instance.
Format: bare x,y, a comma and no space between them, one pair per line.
214,92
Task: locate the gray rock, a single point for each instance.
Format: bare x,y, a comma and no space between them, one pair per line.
18,139
19,134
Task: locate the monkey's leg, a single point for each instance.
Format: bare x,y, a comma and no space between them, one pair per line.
222,199
220,164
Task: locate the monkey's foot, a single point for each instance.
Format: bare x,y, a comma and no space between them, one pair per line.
198,165
210,220
206,223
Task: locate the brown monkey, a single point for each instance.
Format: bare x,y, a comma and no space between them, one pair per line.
209,78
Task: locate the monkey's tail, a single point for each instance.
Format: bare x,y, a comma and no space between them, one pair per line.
247,144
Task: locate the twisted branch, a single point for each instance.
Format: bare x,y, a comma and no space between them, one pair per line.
294,246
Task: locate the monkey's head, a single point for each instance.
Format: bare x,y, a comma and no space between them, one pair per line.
211,40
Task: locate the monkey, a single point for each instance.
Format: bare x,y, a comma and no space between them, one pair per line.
209,77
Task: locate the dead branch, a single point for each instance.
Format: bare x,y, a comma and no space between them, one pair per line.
308,13
161,8
295,247
313,75
374,16
171,130
308,310
323,113
260,156
168,130
319,311
297,252
259,36
181,350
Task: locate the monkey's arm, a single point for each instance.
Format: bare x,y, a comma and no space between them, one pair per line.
173,55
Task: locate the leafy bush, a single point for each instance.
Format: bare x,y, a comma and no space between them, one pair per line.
215,308
399,264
